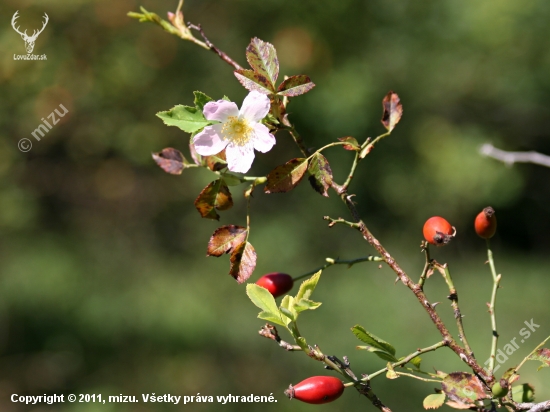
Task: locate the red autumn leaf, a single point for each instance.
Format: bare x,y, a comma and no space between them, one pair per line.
393,110
171,161
295,86
225,239
286,177
243,262
214,196
252,80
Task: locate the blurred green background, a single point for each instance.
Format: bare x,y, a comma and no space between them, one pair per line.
104,283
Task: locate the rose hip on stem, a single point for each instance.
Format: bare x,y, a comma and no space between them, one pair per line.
485,223
276,283
438,231
316,390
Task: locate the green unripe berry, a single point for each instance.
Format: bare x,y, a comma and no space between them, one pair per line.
500,389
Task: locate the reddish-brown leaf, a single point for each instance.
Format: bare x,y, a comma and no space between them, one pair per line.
243,262
393,110
252,80
215,162
214,196
351,143
171,161
295,86
262,57
225,239
286,177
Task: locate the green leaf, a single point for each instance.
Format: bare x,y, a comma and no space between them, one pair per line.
286,177
307,287
372,340
434,401
201,99
295,86
243,262
187,118
253,81
288,304
262,57
271,317
320,174
214,196
542,355
231,180
416,361
289,314
261,297
382,354
306,304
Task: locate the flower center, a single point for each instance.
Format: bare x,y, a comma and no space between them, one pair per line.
237,130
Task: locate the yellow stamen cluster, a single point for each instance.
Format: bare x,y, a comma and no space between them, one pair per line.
237,130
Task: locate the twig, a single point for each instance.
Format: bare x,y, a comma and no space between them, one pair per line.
509,158
407,359
453,297
333,222
331,261
211,46
427,265
496,283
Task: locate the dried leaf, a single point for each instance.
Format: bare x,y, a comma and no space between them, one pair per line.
295,86
463,387
352,143
214,196
262,57
225,239
171,161
252,80
320,174
393,110
243,262
286,177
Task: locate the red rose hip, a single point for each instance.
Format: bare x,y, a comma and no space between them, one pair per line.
438,231
277,283
316,390
486,223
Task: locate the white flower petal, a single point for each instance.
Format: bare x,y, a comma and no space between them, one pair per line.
255,106
220,110
209,141
239,158
263,140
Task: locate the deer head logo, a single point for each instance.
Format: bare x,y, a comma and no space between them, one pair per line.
29,40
